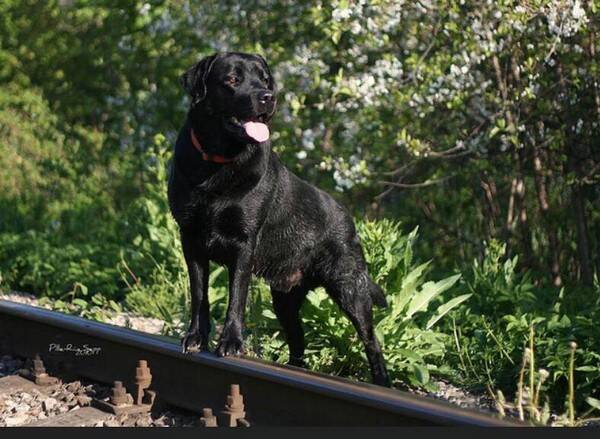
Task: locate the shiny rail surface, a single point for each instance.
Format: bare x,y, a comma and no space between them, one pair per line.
273,394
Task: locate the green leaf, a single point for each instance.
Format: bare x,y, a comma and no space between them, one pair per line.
345,91
81,287
412,279
445,308
114,305
409,285
429,291
269,314
80,302
421,373
336,35
215,274
411,355
595,403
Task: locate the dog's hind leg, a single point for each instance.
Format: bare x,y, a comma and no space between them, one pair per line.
357,304
196,337
287,308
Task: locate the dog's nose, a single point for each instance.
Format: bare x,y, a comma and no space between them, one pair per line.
265,97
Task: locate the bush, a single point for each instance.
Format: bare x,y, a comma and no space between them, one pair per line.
491,333
35,262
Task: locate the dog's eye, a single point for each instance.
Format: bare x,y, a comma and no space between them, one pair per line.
232,80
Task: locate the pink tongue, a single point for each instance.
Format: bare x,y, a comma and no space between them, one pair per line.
258,131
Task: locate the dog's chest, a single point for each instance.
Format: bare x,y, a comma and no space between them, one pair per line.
225,228
276,258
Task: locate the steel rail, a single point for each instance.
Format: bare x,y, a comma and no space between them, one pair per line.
273,394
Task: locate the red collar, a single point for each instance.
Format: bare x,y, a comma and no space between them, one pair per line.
215,158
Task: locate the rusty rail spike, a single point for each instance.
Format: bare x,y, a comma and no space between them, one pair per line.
143,379
38,366
119,394
234,415
120,402
208,419
39,375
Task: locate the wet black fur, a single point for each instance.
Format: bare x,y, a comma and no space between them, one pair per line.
256,217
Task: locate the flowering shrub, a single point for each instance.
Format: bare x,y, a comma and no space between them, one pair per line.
477,121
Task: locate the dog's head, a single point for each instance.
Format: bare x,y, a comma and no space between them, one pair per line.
236,88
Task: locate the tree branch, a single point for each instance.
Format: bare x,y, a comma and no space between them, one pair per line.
415,185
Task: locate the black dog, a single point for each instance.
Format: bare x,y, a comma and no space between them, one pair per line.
237,205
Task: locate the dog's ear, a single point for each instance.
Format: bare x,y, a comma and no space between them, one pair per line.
272,84
194,80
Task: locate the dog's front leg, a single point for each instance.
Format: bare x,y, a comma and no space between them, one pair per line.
240,272
196,337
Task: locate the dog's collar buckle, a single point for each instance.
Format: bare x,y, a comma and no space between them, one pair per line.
215,158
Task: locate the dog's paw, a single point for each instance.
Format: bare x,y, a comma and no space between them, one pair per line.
296,361
230,344
194,341
382,379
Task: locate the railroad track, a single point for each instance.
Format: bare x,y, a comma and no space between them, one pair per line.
272,394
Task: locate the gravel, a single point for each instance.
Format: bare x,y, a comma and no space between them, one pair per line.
22,407
462,398
124,319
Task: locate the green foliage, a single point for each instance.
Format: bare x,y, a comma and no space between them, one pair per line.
497,283
472,122
465,102
33,262
79,302
491,333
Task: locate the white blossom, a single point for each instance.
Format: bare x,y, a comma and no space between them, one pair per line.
565,18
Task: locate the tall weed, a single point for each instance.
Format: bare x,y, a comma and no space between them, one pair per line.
491,334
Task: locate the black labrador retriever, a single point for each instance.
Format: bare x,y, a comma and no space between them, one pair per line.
238,205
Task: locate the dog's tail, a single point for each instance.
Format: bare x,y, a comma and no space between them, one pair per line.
377,294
